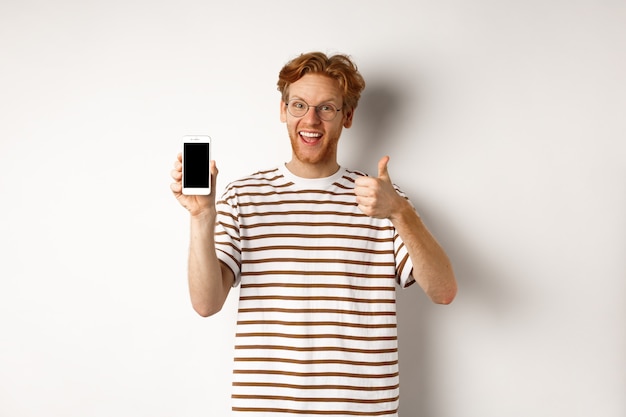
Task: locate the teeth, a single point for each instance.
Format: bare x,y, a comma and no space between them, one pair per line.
310,134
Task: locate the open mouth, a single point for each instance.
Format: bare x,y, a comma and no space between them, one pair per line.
310,137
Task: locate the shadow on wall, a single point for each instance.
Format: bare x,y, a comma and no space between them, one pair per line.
379,111
482,290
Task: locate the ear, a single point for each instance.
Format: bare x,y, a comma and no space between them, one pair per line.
348,119
283,112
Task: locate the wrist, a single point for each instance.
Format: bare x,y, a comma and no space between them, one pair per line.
403,211
204,217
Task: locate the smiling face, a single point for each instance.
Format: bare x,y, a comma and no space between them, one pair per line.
314,141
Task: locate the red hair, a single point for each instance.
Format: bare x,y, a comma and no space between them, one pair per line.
338,67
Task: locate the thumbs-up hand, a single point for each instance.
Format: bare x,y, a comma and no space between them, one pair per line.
377,197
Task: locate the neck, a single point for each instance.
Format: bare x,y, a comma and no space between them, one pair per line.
304,170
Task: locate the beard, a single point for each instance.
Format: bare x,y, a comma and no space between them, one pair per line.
323,153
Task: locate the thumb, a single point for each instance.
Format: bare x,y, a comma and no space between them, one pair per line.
383,174
214,172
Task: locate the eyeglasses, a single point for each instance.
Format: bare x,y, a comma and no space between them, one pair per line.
298,108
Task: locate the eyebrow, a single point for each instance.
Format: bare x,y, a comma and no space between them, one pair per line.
330,100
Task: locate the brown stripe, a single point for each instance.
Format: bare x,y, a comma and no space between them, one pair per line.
301,212
320,260
314,310
289,202
321,224
317,349
317,323
228,244
320,298
261,182
316,412
319,336
332,286
314,400
318,248
314,374
294,192
315,236
402,264
317,361
222,234
241,193
315,387
230,256
317,273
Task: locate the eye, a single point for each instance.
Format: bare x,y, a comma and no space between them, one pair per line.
299,105
327,108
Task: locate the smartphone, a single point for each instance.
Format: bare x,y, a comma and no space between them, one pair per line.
196,165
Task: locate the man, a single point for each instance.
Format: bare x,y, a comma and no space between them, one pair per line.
317,251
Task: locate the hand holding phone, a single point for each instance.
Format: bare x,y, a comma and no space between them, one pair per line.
196,161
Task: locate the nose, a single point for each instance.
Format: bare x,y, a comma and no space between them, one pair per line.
311,116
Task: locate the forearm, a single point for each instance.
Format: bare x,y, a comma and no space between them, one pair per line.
431,267
209,282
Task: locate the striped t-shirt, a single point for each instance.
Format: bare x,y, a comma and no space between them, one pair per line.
316,326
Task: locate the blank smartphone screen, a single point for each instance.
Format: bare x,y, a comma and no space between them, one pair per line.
196,165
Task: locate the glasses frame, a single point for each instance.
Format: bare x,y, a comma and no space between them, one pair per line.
317,109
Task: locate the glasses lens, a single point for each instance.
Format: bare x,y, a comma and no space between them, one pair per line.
327,112
297,108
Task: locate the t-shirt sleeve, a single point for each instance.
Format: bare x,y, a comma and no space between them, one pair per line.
404,266
227,236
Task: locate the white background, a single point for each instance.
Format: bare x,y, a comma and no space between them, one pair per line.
505,125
